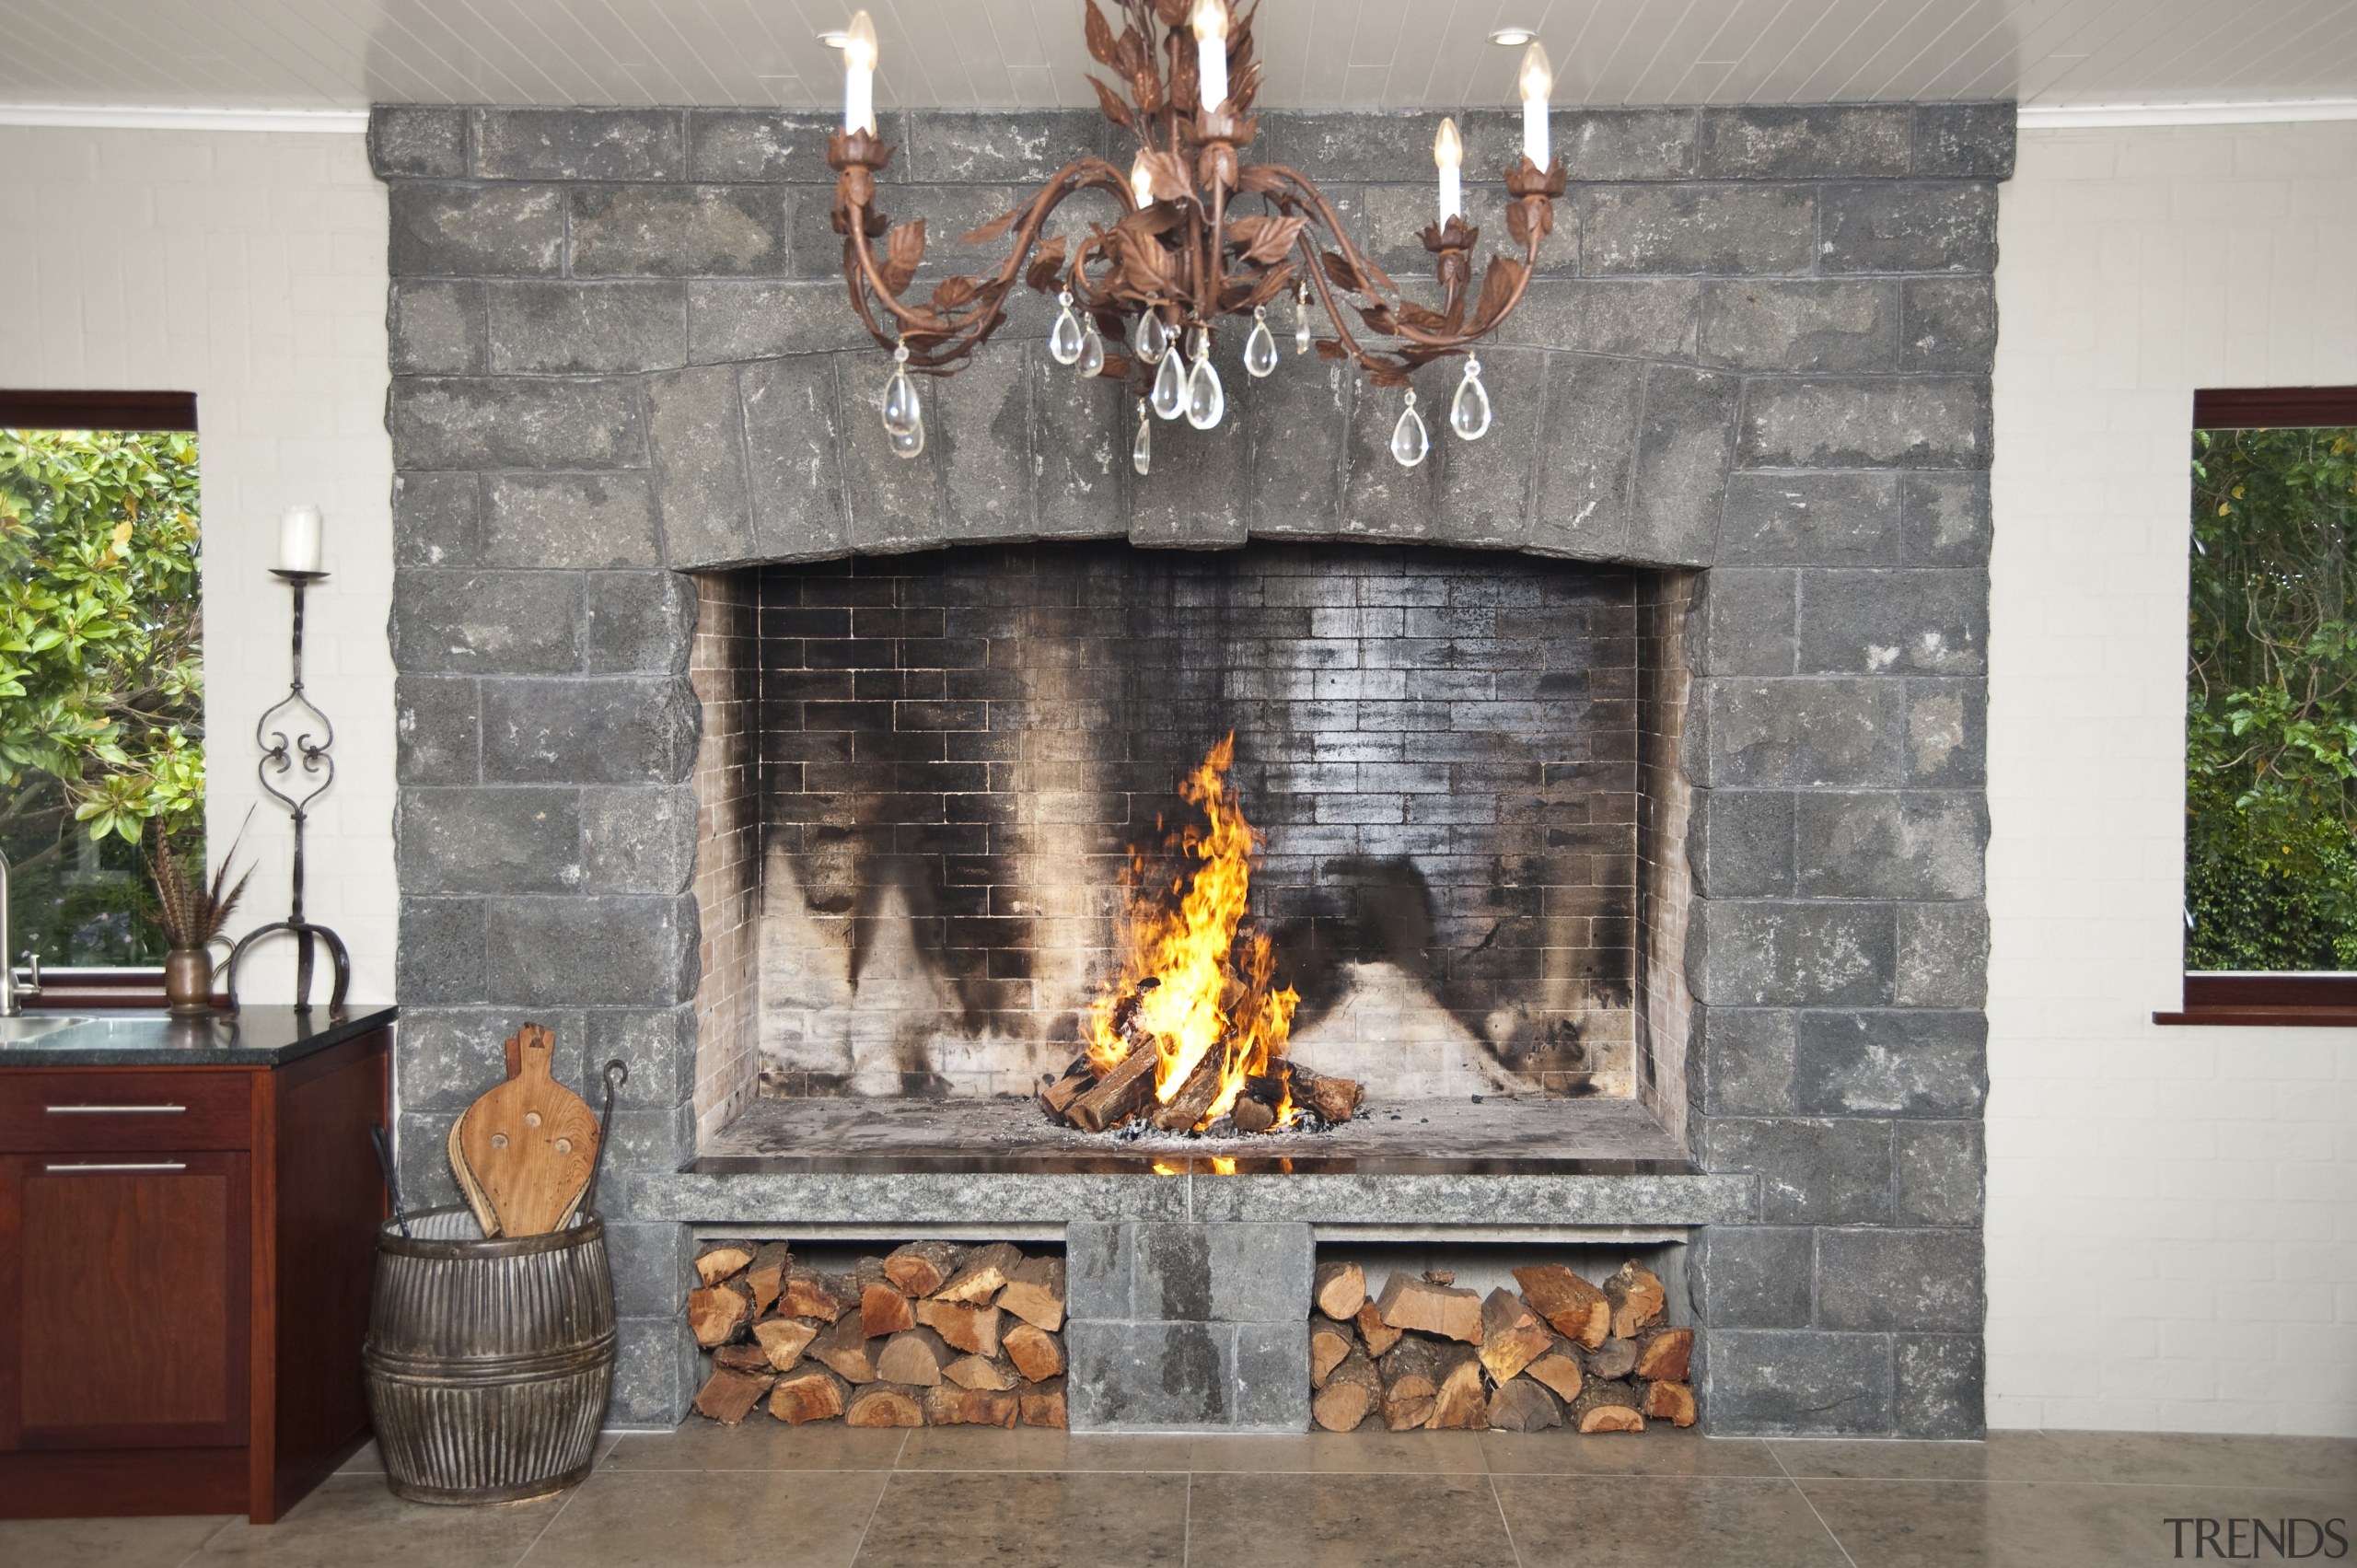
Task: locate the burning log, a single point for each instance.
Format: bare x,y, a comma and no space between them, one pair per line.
1334,1100
1118,1096
1193,1100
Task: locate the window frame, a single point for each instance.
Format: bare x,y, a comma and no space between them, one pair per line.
2242,997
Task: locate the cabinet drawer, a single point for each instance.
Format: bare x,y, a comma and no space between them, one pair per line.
186,1108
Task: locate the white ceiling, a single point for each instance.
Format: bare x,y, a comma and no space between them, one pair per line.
340,55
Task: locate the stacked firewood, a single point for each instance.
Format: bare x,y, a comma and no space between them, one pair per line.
933,1335
1425,1354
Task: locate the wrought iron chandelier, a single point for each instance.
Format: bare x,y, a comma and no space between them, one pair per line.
1180,258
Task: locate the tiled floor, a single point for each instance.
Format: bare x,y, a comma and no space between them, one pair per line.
778,1497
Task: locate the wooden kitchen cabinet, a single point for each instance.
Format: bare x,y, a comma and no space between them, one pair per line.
185,1258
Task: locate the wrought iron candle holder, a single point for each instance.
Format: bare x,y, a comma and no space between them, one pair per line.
282,760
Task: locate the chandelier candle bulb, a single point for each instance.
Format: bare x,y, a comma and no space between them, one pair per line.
1448,152
1210,22
298,539
1538,81
1142,181
859,74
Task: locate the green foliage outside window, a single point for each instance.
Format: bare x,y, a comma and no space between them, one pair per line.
2271,751
101,683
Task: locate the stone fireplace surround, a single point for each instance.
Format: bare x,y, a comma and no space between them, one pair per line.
1760,352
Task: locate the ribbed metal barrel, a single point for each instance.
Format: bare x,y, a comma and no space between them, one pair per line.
488,1361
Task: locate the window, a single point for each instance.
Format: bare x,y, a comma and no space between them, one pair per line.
102,683
2271,763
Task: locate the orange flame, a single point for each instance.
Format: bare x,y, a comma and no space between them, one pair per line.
1187,978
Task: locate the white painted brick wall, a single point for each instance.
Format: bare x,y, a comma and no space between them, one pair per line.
249,268
2172,1222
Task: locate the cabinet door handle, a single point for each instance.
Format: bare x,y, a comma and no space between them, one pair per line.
125,1164
116,1110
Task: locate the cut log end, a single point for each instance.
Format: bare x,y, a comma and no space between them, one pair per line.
881,1404
1411,1303
728,1397
1340,1290
1672,1402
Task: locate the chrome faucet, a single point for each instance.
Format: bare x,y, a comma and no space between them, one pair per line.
12,995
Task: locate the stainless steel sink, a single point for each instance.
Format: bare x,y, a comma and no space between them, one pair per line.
33,1026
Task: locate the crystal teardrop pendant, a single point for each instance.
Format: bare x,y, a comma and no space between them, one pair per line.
909,445
1301,320
902,411
1260,348
1409,441
1468,412
1153,340
1092,351
1206,398
1063,339
1142,449
1169,387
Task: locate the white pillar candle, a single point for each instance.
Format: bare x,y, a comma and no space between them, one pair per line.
859,74
298,539
1538,81
1210,19
1448,152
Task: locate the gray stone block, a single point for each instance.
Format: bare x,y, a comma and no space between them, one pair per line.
653,1266
449,1056
678,231
1943,955
1199,495
795,427
1171,1266
983,445
592,520
659,1140
579,144
417,142
1624,143
610,729
1028,147
949,211
1484,486
1913,1062
1744,1055
1745,953
658,1045
1886,421
1890,844
1948,733
1816,142
476,840
1812,325
1908,227
477,230
638,840
1964,141
764,147
1680,483
654,1372
1800,732
436,328
1832,1171
436,520
1951,324
639,622
1753,1276
696,441
1745,621
1738,229
438,956
1942,1168
473,623
1812,519
1260,1274
1272,1377
1081,429
1593,410
1391,235
437,738
503,423
1332,147
1924,1280
1298,424
420,1138
1739,842
1148,1376
1647,317
576,327
601,952
739,318
1799,1383
1097,1268
1943,1384
1945,519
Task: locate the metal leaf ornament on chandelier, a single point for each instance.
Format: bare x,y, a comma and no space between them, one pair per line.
1195,237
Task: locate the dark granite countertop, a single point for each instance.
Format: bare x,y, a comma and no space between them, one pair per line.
256,1037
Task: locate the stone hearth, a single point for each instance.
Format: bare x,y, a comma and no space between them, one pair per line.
1758,357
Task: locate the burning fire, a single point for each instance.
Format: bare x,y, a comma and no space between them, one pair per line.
1193,984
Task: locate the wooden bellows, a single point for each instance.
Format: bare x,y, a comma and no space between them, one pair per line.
524,1151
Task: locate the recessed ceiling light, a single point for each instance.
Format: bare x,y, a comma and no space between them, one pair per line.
834,38
1513,37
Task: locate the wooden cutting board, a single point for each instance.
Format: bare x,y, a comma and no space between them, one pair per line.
529,1145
